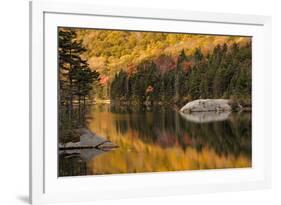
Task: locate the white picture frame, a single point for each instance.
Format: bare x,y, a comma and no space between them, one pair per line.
46,187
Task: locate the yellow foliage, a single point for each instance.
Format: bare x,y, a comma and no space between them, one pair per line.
133,155
137,46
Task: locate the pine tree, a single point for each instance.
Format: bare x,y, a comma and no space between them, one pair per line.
76,77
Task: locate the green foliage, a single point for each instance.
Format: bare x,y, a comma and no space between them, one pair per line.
76,81
223,73
76,77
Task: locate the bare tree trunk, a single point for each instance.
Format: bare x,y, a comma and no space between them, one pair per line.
177,122
163,91
84,102
70,102
79,108
70,89
177,86
127,86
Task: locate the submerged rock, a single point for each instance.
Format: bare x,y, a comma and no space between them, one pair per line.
89,140
207,105
205,117
85,154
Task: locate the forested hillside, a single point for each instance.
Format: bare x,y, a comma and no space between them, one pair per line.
121,95
223,73
141,66
110,51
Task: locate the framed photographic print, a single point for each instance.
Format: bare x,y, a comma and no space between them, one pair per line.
129,102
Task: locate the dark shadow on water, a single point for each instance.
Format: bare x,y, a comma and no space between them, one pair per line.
226,134
24,199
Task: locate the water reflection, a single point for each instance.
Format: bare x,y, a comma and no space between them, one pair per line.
161,139
205,117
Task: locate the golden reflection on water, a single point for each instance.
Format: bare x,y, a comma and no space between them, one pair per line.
135,155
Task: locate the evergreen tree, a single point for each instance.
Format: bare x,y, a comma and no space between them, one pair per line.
225,72
75,83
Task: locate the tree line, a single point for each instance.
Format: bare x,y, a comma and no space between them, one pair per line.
76,81
225,72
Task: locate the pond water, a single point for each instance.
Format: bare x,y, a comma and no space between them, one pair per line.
154,139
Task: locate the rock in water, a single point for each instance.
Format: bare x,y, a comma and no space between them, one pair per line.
85,154
205,117
89,140
207,105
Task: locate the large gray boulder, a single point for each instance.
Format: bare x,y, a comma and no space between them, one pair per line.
207,105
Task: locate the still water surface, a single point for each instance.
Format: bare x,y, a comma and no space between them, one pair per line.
160,139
